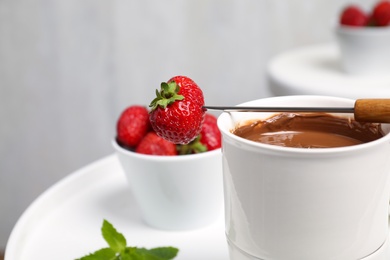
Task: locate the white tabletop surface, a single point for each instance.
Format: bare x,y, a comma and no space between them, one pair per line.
64,222
316,70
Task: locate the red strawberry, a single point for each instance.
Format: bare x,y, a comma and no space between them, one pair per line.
210,135
208,140
154,145
352,15
381,13
177,111
132,126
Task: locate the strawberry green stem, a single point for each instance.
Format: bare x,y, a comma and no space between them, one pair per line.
167,95
194,146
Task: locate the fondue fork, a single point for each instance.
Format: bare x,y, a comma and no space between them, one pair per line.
364,110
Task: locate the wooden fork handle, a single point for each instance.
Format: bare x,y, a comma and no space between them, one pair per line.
372,110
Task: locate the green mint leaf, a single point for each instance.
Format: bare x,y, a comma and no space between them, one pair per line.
102,254
158,253
130,253
114,239
131,257
164,252
119,251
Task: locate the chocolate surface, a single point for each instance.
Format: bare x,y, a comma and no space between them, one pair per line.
312,130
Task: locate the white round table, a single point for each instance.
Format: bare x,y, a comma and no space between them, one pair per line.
64,222
316,70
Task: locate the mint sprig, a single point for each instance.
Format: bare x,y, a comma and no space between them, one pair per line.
118,249
115,240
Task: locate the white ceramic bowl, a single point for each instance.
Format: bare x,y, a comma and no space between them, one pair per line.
303,204
364,50
175,192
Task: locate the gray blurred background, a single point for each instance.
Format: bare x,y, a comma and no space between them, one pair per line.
68,68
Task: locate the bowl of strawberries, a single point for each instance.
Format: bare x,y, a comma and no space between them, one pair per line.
171,155
363,37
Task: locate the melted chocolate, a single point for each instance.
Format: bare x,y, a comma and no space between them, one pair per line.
312,130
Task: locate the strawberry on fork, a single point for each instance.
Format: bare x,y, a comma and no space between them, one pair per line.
177,112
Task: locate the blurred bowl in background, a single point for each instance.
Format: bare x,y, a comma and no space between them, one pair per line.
364,50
